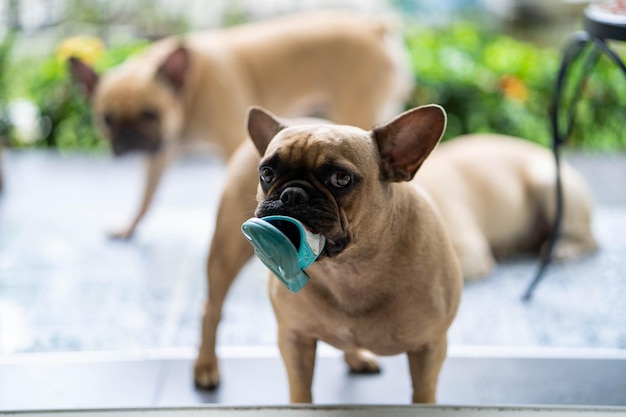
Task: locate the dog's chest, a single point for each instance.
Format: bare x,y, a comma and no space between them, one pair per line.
380,335
382,322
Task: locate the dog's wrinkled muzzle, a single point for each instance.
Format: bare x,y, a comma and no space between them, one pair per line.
285,246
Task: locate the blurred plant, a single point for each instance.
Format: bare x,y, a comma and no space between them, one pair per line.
489,82
87,48
234,14
148,17
5,53
65,116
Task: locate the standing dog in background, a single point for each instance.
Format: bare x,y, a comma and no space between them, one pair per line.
199,87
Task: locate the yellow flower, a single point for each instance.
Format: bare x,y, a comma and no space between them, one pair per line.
88,48
513,88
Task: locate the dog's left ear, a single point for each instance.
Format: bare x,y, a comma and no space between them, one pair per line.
83,75
175,67
406,141
262,127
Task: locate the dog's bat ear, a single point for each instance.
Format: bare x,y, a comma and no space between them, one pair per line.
175,67
262,127
406,141
83,75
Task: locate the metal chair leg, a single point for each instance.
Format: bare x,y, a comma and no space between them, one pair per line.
573,50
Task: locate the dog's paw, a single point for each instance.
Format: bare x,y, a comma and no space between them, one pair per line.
568,249
477,267
122,234
206,375
362,361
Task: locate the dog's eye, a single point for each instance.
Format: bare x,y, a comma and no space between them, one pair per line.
108,120
267,175
340,179
150,115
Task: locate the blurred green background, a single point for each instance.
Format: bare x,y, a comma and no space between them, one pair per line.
492,73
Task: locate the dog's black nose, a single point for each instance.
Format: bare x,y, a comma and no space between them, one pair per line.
293,196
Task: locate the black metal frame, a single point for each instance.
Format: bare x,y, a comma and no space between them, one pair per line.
573,49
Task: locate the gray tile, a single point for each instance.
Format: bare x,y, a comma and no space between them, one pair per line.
458,382
78,385
552,381
245,381
255,381
262,381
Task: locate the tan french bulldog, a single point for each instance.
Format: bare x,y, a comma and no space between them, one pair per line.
199,87
497,197
388,280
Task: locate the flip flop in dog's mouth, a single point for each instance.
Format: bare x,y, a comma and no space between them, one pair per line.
285,246
289,229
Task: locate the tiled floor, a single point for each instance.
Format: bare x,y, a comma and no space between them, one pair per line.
65,287
464,381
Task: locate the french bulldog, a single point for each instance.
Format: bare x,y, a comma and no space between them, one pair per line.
388,281
199,87
497,197
494,193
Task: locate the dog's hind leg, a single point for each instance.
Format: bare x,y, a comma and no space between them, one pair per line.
576,237
475,255
362,361
470,244
228,254
576,230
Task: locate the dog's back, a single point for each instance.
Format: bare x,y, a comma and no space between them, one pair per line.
332,60
496,194
348,68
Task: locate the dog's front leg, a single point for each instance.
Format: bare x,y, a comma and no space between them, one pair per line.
155,165
425,364
228,253
298,354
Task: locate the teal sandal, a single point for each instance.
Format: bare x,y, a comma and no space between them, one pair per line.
285,246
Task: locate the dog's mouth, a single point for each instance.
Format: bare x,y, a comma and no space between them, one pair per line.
132,140
122,147
290,230
314,213
332,248
335,247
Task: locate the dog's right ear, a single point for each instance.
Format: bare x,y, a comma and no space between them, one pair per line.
83,75
262,127
175,68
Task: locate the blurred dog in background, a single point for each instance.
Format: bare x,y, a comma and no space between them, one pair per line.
198,87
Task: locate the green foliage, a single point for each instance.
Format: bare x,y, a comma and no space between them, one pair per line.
148,18
5,52
66,121
488,82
